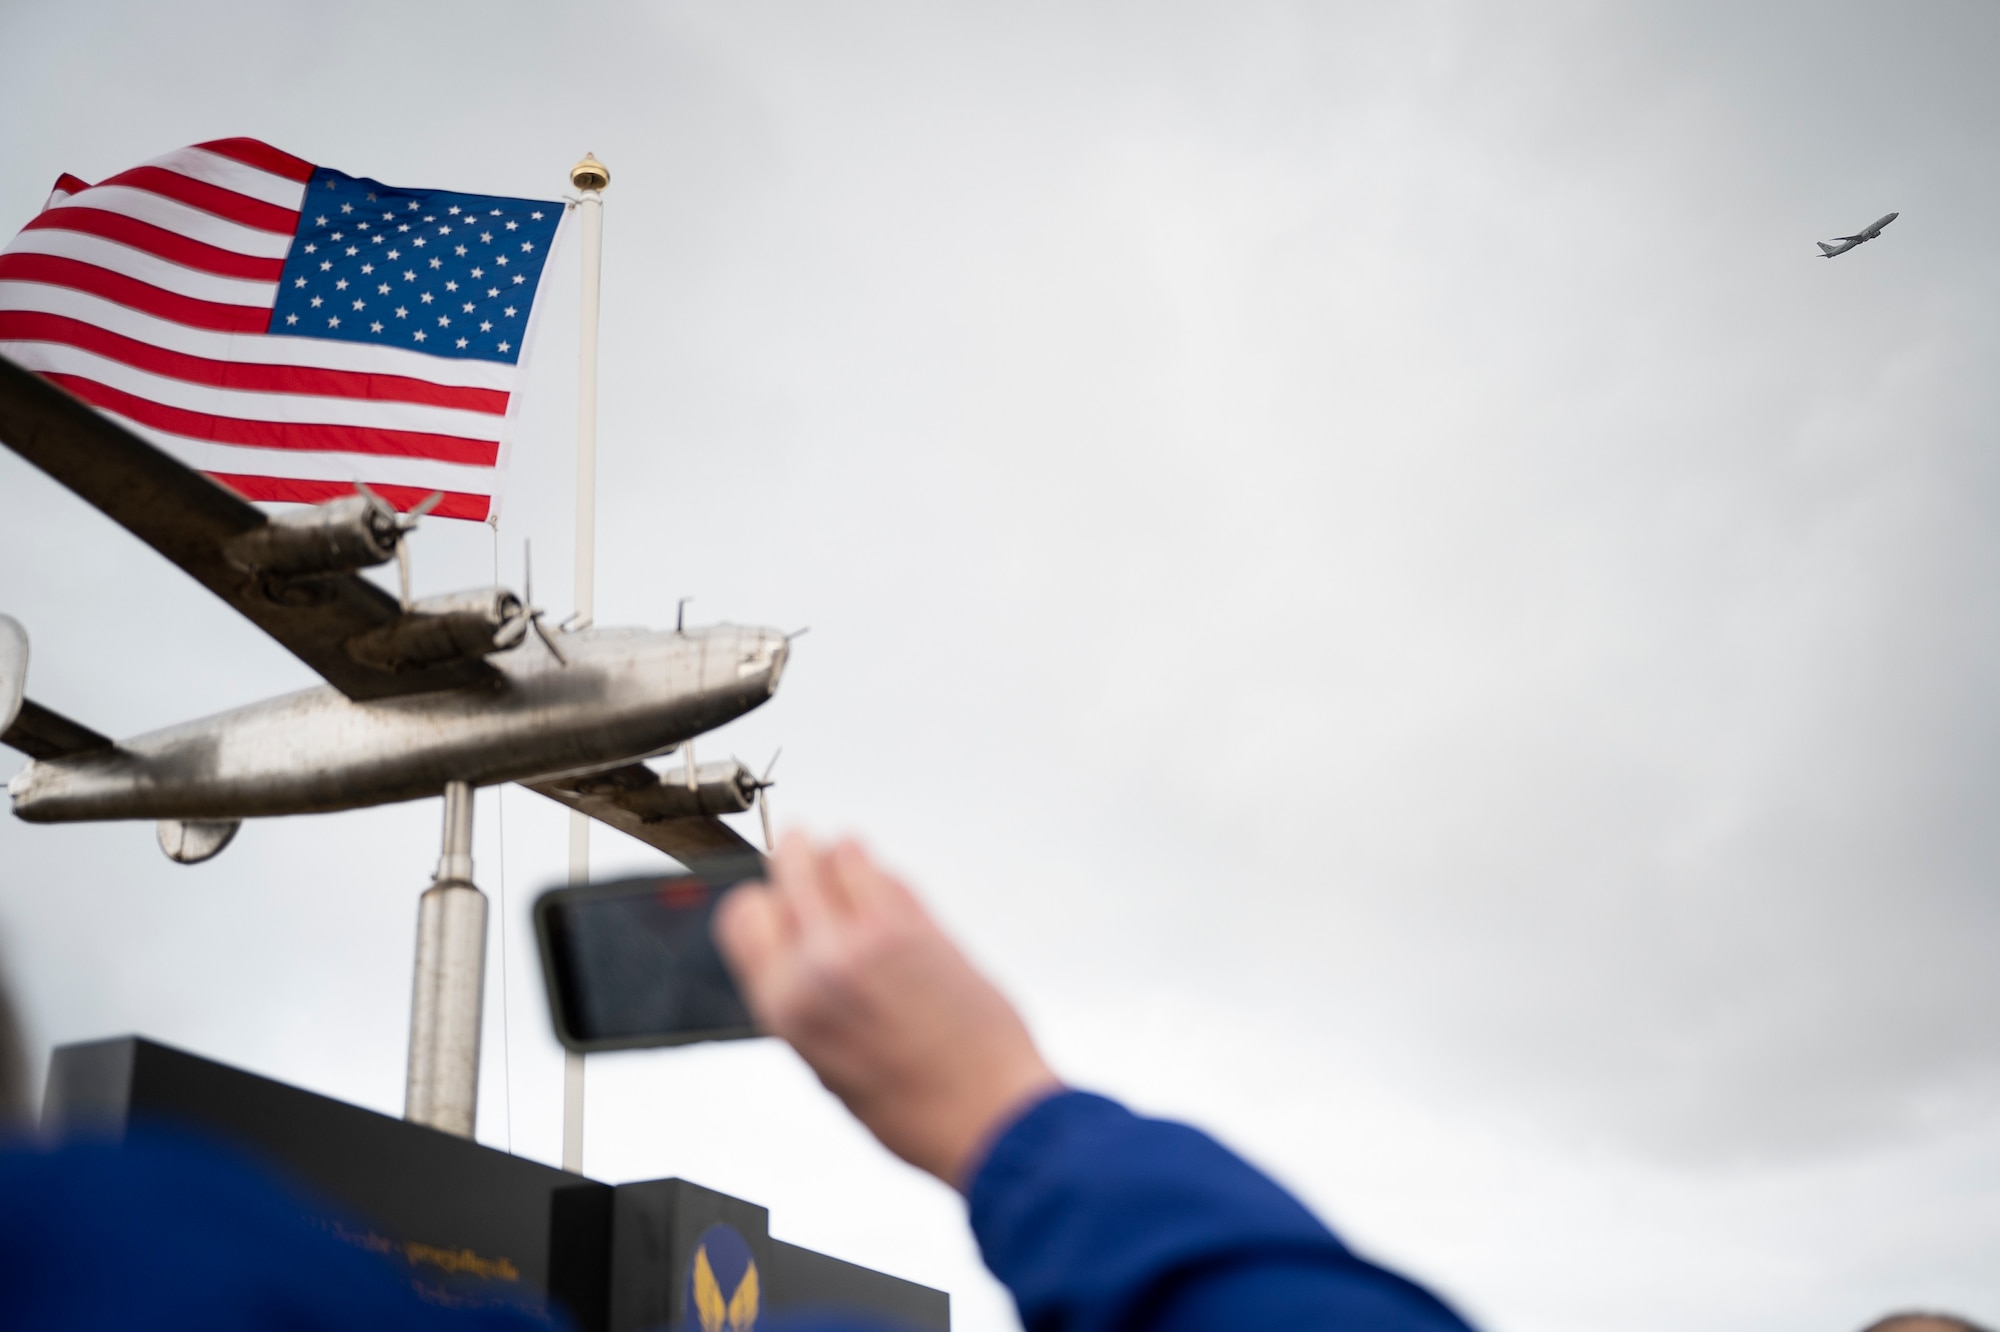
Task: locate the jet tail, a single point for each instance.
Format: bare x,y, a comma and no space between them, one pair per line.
1826,251
25,724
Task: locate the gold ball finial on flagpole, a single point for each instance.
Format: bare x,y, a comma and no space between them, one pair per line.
590,174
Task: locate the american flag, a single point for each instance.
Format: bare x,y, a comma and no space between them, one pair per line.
287,328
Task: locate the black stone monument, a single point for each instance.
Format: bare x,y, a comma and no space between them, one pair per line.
471,1225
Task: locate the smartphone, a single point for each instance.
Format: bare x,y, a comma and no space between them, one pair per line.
632,963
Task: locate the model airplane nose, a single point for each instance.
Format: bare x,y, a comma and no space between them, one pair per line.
764,655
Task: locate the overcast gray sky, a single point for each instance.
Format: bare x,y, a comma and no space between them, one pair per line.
1357,553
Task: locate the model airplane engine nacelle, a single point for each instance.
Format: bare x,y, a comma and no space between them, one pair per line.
718,788
713,788
340,536
454,627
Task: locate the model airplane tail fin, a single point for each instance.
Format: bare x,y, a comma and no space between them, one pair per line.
13,670
25,724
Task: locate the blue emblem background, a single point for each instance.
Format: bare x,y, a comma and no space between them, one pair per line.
728,1257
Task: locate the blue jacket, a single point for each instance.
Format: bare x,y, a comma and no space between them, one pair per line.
1096,1220
1100,1221
168,1233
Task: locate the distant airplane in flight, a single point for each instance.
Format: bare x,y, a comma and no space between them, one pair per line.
1842,244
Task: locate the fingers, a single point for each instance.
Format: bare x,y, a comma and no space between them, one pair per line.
818,903
864,887
750,929
798,873
833,886
840,958
761,927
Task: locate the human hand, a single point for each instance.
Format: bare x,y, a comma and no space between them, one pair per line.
838,958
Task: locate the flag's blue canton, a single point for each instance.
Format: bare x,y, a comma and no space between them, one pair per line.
448,274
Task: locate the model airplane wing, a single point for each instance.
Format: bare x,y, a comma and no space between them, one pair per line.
191,520
42,734
634,799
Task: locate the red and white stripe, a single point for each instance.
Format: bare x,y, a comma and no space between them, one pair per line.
148,296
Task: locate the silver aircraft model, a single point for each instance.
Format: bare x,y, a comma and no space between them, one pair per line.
419,694
1840,245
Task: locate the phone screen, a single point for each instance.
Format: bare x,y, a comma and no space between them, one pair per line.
632,963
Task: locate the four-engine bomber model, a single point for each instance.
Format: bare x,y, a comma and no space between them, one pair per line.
420,694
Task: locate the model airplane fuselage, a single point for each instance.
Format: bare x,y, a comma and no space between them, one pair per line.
422,694
1840,245
624,694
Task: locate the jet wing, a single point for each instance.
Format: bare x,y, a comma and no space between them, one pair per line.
188,518
629,798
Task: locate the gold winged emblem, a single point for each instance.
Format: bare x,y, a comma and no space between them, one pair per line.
743,1304
736,1314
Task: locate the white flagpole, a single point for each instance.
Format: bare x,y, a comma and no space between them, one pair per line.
589,176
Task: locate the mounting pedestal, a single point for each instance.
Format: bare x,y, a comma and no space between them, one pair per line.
471,1227
449,995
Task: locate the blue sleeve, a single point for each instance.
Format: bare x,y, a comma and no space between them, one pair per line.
1100,1221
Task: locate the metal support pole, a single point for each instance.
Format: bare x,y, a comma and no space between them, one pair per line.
445,1010
590,177
572,1147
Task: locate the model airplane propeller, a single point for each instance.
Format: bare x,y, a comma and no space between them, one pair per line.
383,513
530,610
764,784
419,692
